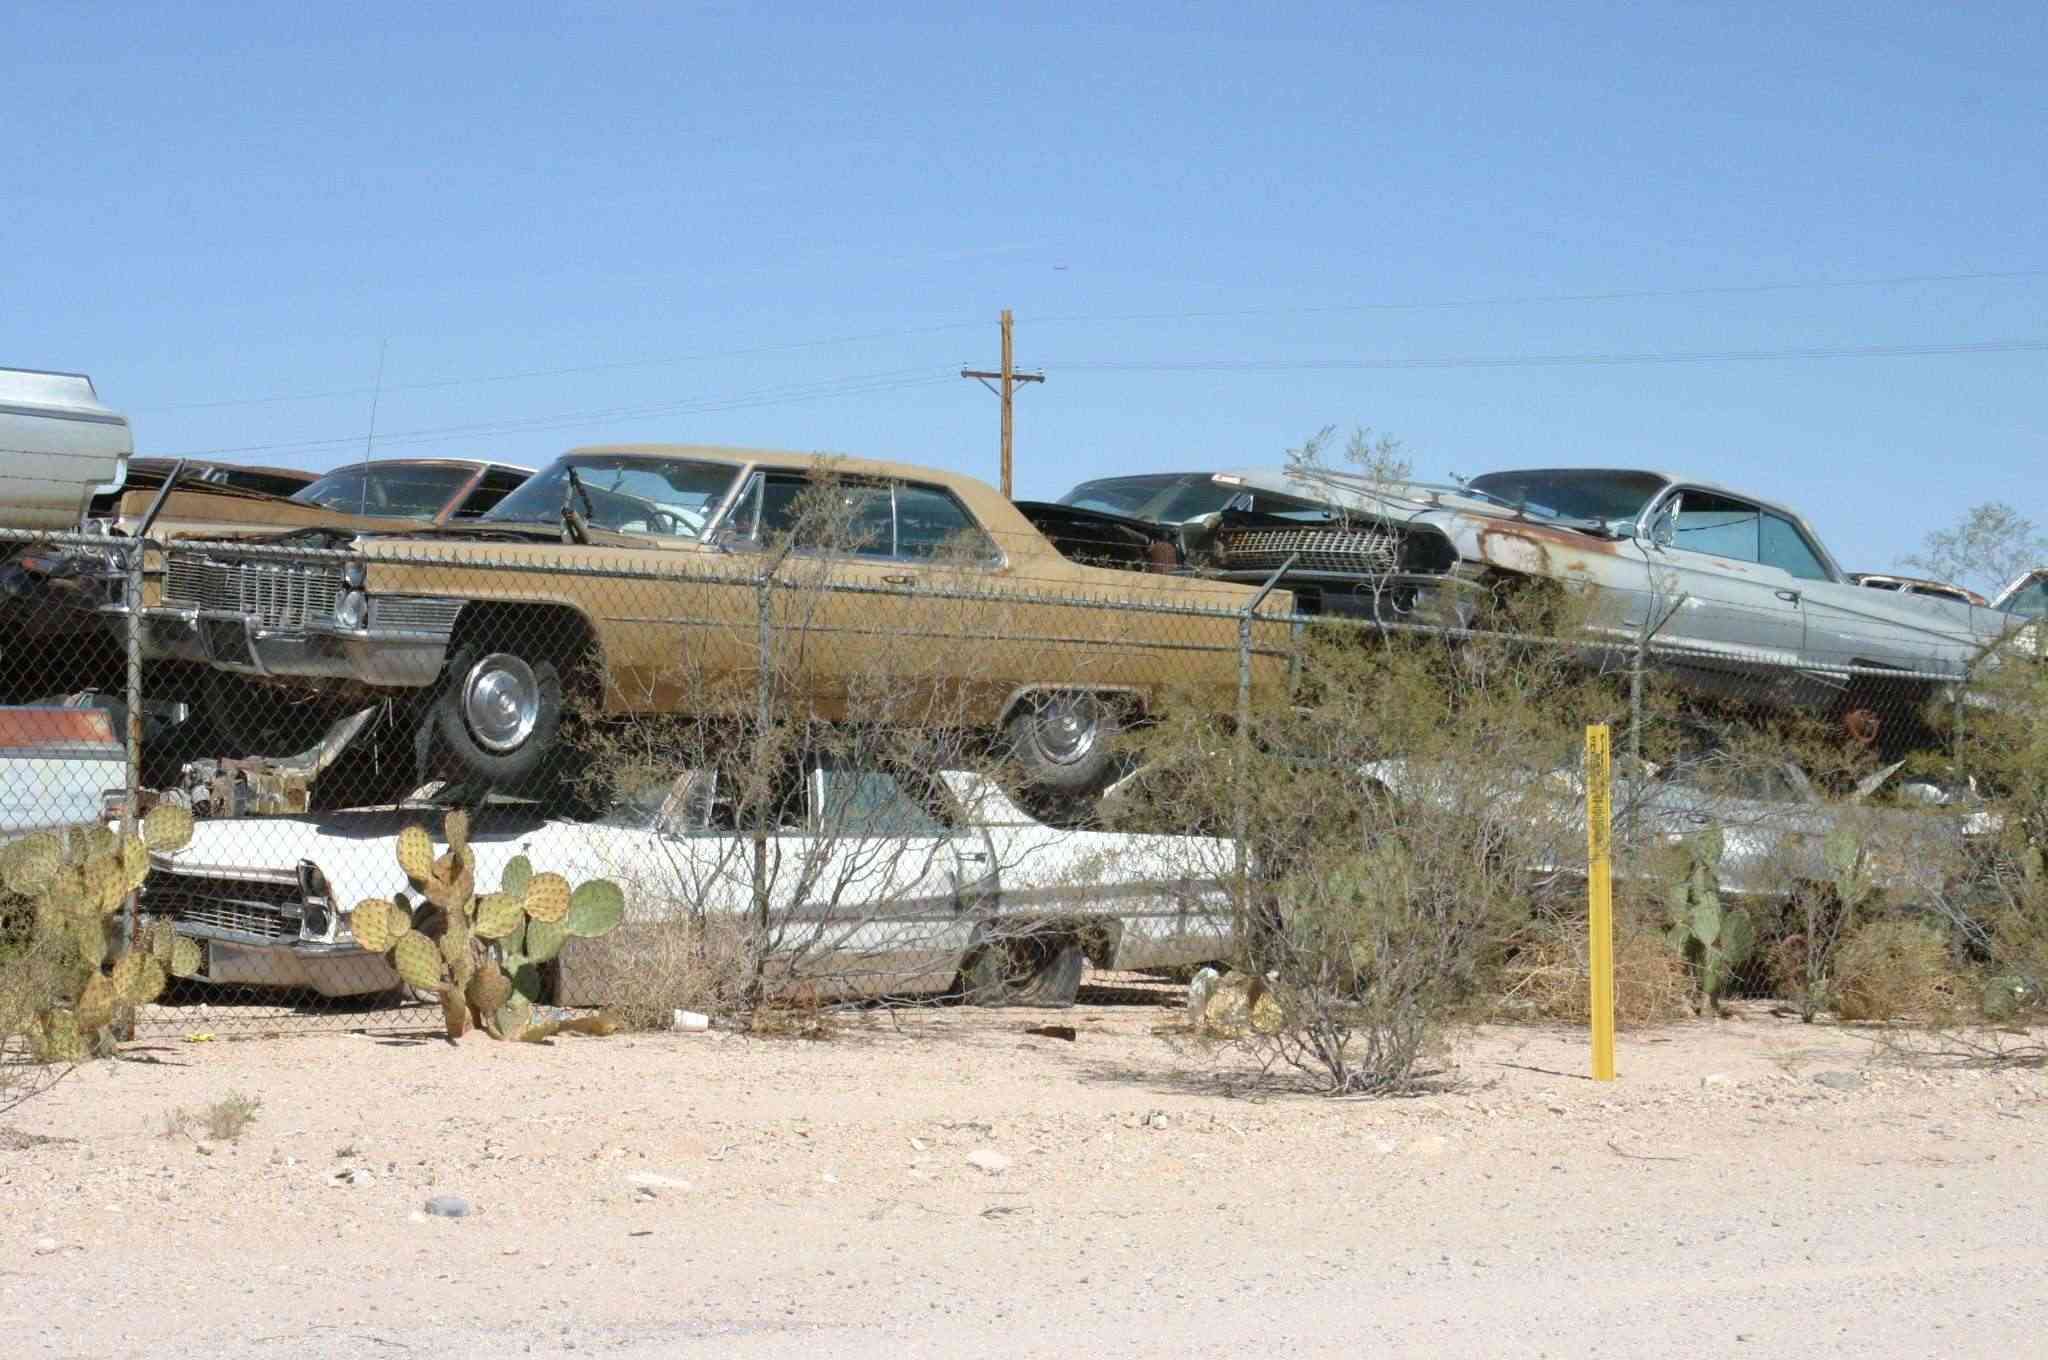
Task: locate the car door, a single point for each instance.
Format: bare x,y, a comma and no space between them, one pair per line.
1168,897
1707,548
885,606
880,886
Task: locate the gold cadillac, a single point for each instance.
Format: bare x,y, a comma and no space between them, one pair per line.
931,601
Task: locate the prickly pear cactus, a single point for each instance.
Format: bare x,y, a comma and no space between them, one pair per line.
1715,938
62,892
479,952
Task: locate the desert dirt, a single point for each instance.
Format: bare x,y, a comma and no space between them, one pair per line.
1751,1186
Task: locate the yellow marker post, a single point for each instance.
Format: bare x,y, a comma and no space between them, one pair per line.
1600,896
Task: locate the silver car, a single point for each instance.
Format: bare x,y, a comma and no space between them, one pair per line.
1741,596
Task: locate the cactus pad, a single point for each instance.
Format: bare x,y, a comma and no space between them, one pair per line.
159,941
127,976
544,940
416,853
167,828
547,897
497,915
185,958
134,862
456,831
418,961
90,936
513,1017
69,893
489,988
95,1009
451,883
454,942
595,908
518,872
400,918
371,923
105,883
33,862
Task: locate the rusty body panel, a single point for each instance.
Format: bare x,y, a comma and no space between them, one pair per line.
1917,585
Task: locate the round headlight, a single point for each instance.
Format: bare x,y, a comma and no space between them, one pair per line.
351,610
353,575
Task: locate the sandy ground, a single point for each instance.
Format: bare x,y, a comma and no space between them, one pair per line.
680,1195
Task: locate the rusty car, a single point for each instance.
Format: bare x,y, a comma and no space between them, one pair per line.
641,566
1916,585
1735,593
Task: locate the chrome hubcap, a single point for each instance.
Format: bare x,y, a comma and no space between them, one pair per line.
1067,730
501,701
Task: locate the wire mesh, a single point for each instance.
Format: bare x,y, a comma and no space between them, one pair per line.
869,763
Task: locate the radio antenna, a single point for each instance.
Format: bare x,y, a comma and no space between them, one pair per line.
370,439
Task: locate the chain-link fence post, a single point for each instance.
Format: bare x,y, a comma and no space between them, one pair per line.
764,713
1240,799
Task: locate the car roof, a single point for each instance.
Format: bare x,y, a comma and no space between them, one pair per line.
430,462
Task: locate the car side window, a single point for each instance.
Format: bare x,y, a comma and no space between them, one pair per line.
849,517
1784,547
931,524
1717,525
861,803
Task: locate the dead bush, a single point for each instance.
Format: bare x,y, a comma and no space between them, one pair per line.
1549,976
1892,969
645,973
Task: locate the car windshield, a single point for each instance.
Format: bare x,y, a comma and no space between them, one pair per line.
2029,599
626,493
1604,494
389,490
1165,498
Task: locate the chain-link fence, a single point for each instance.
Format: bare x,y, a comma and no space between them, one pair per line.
925,762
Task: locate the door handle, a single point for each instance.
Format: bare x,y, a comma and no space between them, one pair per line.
974,856
899,580
1789,596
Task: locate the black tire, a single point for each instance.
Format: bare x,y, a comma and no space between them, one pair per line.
498,713
1041,971
1064,743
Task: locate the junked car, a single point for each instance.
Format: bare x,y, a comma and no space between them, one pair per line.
63,447
641,567
1742,598
1774,824
2027,596
878,881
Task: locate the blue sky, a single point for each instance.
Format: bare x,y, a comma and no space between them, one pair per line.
780,226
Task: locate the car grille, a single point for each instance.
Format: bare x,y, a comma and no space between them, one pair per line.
409,614
268,911
270,594
1363,551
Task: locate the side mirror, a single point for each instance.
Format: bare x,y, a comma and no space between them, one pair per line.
1664,529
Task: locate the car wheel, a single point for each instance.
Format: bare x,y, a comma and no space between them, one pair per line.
1064,743
499,712
1038,971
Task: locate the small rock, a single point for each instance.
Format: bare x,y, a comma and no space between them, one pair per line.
1156,1120
919,1145
448,1206
655,1180
988,1160
1838,1080
350,1176
1717,1079
46,1245
203,1148
645,1194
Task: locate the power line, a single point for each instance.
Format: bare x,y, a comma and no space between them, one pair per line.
1542,299
1078,318
524,374
1554,360
784,394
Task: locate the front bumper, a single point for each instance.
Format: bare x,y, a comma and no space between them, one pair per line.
265,928
397,658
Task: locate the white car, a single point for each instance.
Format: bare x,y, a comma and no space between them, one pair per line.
875,883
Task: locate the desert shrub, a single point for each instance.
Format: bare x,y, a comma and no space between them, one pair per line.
647,972
1548,976
1892,969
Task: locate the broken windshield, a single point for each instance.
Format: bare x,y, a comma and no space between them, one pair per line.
1607,496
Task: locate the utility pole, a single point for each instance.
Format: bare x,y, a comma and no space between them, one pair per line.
1009,377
